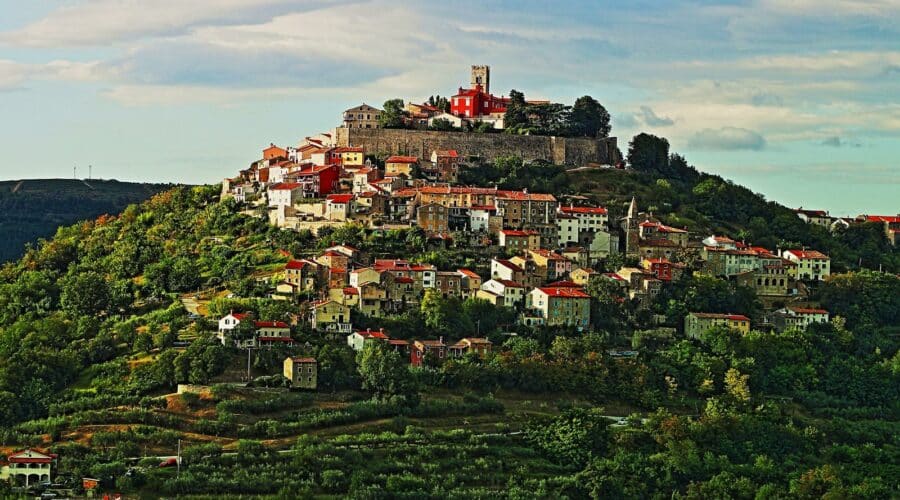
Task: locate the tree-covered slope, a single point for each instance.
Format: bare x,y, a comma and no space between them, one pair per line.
32,209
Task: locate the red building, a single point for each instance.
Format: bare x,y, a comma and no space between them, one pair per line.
476,102
661,269
317,181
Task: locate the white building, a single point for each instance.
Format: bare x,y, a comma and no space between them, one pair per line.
798,317
357,340
812,265
502,292
285,194
29,467
265,333
480,217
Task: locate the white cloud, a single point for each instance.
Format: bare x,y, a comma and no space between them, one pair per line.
101,22
727,139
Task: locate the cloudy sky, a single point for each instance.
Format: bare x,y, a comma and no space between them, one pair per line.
797,99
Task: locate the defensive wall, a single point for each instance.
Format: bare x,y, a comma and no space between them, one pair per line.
420,143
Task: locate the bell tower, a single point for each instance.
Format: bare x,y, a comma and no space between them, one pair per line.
481,75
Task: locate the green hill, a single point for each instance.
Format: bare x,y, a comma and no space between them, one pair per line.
96,336
33,209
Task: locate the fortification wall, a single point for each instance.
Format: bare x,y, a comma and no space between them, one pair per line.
559,150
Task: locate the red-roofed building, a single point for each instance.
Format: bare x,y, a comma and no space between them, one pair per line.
261,333
560,306
357,339
660,269
29,467
444,166
891,225
424,348
479,346
798,317
272,152
812,265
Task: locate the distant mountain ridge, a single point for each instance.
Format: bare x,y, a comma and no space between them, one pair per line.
33,208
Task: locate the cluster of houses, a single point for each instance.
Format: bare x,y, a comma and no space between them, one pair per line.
822,218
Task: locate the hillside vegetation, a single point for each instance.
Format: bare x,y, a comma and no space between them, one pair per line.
94,338
34,208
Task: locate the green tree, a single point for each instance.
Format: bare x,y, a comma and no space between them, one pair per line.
84,294
648,153
384,371
589,118
516,110
393,114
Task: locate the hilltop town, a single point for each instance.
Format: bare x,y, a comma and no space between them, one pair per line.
472,297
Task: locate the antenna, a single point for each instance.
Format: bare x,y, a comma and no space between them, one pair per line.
90,169
75,172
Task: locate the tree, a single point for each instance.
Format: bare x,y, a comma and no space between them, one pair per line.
737,386
442,125
393,114
589,118
648,153
384,371
516,113
574,437
84,294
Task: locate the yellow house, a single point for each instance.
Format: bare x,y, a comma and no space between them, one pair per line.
372,298
695,324
351,157
583,275
349,296
331,316
395,166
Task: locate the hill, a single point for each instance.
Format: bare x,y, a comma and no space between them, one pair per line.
95,339
34,208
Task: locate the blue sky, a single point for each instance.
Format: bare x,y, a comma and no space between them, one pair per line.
796,99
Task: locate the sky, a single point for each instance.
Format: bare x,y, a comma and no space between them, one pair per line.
796,99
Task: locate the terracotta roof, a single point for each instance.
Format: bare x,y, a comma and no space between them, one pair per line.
525,196
296,264
402,159
808,254
271,324
285,186
517,232
564,284
349,290
469,273
803,310
735,317
374,334
451,153
340,198
304,360
583,210
890,219
563,292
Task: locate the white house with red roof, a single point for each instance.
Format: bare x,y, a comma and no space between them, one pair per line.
358,339
265,333
798,317
285,194
812,265
28,467
338,206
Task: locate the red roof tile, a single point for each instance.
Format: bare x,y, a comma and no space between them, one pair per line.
402,159
564,292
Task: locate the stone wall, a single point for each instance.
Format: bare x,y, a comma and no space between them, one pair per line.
559,150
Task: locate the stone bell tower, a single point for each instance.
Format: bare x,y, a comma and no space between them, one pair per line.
481,75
